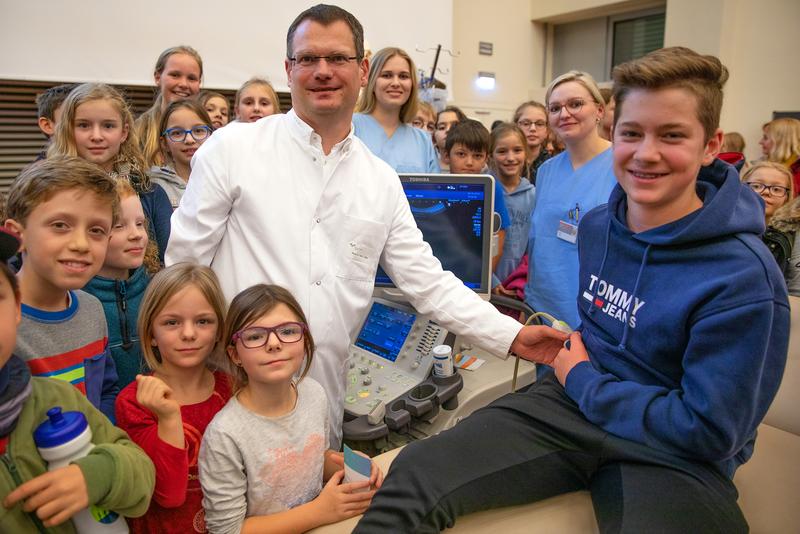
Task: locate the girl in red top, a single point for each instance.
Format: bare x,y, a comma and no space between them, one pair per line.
166,412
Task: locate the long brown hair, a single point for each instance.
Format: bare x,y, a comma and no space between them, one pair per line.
247,307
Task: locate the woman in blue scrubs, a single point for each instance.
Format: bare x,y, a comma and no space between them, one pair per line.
567,187
386,107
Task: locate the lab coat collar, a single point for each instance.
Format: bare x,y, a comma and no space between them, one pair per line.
307,136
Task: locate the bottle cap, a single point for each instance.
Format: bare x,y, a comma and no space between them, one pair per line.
59,428
442,350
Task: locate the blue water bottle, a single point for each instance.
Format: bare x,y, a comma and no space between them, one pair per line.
63,438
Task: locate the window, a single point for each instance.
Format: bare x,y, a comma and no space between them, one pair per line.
597,44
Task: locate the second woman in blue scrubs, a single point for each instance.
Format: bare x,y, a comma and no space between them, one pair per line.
567,187
386,106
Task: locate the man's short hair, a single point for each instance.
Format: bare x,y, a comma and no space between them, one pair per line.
42,180
470,133
678,67
48,101
326,15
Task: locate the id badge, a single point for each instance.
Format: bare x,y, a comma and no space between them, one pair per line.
567,232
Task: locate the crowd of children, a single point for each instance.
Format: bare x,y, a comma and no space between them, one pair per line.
216,420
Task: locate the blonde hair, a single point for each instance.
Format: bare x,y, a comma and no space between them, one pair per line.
247,307
129,161
583,78
525,105
165,285
732,142
367,100
779,167
785,136
271,94
701,75
147,123
151,262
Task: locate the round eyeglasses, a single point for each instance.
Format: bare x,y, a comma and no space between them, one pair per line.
776,191
573,106
257,336
526,124
178,135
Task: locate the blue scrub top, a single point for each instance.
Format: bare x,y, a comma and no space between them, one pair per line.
409,149
553,273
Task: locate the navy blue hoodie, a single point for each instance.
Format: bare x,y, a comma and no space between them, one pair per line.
686,325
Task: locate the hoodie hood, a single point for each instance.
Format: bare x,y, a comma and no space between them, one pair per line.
728,208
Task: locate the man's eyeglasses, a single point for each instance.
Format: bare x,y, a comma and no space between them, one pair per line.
525,124
257,336
776,191
178,135
335,60
572,106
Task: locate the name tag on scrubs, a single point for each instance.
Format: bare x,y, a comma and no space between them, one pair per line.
567,231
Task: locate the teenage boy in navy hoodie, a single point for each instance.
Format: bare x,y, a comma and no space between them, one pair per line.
656,398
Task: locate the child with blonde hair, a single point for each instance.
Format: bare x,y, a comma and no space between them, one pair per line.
167,411
255,99
177,74
96,124
130,260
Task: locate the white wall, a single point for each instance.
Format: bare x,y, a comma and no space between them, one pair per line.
517,60
115,41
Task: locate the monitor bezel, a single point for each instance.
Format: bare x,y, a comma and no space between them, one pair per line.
391,292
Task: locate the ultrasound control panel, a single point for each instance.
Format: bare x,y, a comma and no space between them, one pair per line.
391,355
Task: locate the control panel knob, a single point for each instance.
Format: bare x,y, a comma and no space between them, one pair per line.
367,381
414,364
364,370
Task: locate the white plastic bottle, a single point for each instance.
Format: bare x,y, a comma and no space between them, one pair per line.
64,438
443,361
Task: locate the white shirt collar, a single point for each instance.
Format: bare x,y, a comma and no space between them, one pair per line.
308,136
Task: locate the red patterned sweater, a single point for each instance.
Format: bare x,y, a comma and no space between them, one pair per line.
177,505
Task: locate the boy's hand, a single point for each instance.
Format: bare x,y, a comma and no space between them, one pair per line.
568,358
539,344
56,496
341,501
156,396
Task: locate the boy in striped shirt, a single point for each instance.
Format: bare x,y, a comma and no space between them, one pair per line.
63,209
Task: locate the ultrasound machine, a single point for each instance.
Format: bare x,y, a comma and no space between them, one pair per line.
390,387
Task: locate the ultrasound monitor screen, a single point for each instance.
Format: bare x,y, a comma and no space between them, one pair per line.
452,219
385,330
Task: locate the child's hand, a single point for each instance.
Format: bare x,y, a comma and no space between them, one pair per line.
568,358
55,496
341,501
156,396
375,477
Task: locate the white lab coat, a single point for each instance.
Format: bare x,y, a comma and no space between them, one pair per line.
264,204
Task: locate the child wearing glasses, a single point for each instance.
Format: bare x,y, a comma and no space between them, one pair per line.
265,465
96,125
185,125
531,117
167,411
773,181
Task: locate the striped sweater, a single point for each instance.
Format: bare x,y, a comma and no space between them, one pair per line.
71,345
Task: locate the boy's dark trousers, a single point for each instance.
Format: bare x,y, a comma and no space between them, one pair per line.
535,444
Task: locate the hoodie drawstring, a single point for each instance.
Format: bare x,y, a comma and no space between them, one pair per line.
627,326
590,311
622,344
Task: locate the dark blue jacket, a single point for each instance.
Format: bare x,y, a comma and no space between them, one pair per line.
158,210
686,324
121,300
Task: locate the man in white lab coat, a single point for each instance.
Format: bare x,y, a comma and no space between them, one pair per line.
297,200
